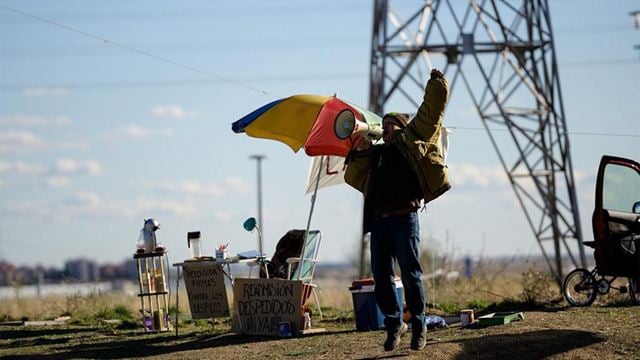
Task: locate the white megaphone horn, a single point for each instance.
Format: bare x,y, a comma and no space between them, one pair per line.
346,125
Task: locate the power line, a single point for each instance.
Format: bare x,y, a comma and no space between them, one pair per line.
265,8
581,133
259,9
178,82
86,51
617,62
138,51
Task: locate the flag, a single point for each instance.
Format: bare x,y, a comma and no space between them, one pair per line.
332,172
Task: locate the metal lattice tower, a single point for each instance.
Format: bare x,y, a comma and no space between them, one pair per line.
503,54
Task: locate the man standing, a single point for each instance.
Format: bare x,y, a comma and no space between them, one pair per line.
394,178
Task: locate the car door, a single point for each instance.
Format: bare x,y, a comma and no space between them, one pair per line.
616,217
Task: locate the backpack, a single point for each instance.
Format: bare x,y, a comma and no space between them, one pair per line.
290,245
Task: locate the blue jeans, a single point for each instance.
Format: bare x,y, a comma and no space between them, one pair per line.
397,237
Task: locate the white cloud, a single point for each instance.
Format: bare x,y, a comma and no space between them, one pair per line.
137,132
238,185
470,175
33,121
463,115
89,204
56,175
73,143
197,188
57,181
224,216
581,176
20,168
45,91
5,166
71,166
192,187
172,112
20,140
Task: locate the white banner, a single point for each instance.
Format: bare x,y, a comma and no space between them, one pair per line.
332,172
444,142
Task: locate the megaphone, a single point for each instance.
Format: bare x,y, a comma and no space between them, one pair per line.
346,125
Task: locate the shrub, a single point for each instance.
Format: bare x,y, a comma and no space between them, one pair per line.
537,287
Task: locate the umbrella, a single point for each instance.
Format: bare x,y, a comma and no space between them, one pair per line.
323,125
310,121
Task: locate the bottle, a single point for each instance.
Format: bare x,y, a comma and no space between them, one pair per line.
150,281
307,321
159,281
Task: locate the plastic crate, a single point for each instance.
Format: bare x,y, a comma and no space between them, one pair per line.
366,310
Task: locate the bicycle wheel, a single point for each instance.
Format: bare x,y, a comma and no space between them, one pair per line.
634,291
580,288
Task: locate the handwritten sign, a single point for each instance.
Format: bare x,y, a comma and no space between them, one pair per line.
206,291
264,303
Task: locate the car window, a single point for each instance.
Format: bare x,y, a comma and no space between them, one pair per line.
621,188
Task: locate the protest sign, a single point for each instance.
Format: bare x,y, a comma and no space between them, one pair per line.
205,289
262,304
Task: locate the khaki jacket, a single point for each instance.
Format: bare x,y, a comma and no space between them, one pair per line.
418,143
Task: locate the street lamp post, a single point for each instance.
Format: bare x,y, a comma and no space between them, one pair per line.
258,158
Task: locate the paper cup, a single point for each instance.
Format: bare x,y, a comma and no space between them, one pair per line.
466,317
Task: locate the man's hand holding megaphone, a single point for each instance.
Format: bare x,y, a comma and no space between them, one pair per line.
346,125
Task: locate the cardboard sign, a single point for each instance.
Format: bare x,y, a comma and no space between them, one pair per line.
262,304
205,290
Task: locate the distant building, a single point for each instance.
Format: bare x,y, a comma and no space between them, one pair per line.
77,270
7,273
52,275
82,270
130,270
110,271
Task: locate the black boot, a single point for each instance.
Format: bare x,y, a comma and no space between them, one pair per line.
418,337
394,336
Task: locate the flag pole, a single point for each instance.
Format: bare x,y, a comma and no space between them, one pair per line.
313,202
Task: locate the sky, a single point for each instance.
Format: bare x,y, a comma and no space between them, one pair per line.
112,112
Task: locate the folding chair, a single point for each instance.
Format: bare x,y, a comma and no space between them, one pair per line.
307,266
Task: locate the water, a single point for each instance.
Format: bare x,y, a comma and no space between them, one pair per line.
28,291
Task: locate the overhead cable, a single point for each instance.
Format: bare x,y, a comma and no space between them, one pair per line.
138,51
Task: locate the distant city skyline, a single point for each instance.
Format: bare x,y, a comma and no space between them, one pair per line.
80,270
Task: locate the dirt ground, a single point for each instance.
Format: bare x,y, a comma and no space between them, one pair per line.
563,333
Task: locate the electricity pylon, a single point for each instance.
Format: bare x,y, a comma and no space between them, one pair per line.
503,53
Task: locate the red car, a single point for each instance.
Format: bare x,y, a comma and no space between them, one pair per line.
616,232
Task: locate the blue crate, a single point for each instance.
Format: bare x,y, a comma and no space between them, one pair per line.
366,310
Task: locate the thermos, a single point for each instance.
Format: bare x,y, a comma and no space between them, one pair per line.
193,243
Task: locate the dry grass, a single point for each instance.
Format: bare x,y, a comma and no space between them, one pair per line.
491,285
53,306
